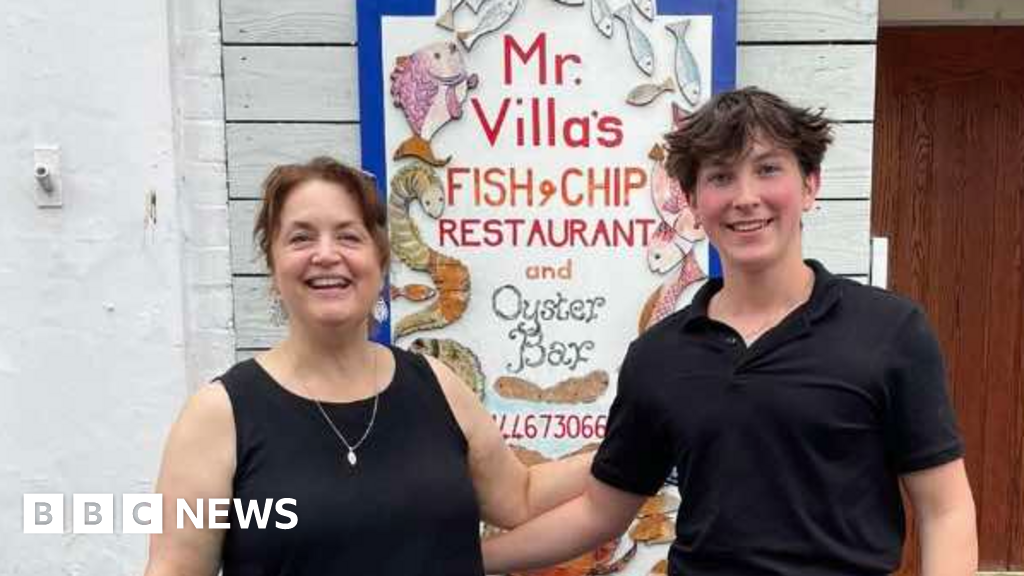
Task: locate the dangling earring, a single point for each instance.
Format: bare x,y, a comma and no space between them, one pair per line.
278,313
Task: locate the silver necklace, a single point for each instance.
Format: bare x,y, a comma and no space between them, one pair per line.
351,455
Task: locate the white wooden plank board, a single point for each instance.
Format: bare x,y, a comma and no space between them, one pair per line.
334,21
291,22
846,171
282,83
804,20
253,149
835,232
291,83
253,326
840,78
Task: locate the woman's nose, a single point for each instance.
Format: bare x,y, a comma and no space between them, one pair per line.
326,252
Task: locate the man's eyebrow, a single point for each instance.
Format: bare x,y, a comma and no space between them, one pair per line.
767,154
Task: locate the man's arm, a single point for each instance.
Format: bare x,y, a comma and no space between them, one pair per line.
944,514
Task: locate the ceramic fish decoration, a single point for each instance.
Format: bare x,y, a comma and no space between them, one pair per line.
447,20
687,72
639,45
662,252
601,16
496,14
646,8
644,94
430,86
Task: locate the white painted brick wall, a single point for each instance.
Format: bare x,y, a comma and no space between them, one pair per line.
202,177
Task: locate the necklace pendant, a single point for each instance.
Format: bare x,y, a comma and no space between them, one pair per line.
351,458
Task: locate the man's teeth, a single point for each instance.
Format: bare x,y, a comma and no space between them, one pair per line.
749,226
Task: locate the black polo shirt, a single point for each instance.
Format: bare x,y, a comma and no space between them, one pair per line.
788,452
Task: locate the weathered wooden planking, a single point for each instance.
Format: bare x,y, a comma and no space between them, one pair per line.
840,78
846,171
291,22
253,326
836,233
291,83
302,83
253,149
334,21
803,20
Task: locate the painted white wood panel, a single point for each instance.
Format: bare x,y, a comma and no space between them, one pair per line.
334,21
802,20
846,171
253,149
291,83
840,78
253,326
836,232
291,22
302,83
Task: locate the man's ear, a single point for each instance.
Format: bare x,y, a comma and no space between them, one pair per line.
811,186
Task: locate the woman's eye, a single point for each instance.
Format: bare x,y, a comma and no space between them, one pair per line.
298,238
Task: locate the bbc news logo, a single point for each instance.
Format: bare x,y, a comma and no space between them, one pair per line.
143,513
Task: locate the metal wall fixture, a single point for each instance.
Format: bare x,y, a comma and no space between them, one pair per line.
46,170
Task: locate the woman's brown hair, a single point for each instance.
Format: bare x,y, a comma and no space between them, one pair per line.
285,178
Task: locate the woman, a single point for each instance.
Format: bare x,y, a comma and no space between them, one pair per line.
794,404
390,459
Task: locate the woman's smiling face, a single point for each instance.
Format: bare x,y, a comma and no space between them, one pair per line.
327,269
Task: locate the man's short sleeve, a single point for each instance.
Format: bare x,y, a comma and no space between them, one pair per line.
636,453
921,429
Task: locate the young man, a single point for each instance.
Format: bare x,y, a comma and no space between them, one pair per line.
793,403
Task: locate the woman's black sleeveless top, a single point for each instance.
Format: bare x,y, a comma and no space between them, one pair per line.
407,508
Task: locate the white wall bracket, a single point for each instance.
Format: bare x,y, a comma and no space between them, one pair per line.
46,170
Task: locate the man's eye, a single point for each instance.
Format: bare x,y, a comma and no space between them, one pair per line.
770,169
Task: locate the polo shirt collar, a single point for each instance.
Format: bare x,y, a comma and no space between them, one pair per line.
826,293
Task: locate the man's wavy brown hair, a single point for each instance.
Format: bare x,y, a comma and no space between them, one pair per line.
724,128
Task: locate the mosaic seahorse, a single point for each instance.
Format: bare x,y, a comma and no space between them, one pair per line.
419,182
460,358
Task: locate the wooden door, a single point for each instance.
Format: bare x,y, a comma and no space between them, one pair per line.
948,191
